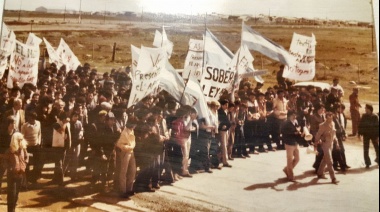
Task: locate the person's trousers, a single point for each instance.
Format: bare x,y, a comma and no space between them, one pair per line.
375,142
185,149
326,161
292,159
223,145
60,154
36,162
13,189
73,160
125,171
231,141
355,119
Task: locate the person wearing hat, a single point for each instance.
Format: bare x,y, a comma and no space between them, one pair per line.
125,169
354,110
291,136
326,137
369,129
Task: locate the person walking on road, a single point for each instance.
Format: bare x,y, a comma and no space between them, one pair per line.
354,110
369,129
326,136
291,136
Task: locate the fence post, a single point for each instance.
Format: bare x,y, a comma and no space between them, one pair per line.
113,52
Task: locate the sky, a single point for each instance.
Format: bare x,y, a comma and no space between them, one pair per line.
358,10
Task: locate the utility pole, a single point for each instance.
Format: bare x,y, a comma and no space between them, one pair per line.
64,14
19,11
80,11
105,9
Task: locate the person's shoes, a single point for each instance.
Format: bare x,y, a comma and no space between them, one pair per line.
351,135
336,168
334,181
242,156
187,175
247,156
367,166
263,150
156,186
292,180
227,165
208,171
322,176
144,189
348,167
272,150
255,152
377,161
230,158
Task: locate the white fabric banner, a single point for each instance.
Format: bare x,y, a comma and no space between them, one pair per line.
194,60
150,64
135,59
23,66
193,88
53,56
8,40
68,57
303,48
216,76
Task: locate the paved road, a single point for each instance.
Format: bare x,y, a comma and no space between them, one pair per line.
253,184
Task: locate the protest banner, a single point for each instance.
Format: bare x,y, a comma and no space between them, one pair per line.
68,57
8,40
217,75
33,40
135,58
23,67
257,42
193,88
303,48
53,56
150,64
194,60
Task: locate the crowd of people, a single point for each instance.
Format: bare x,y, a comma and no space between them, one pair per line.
80,119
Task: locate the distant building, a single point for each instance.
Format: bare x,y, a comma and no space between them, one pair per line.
41,9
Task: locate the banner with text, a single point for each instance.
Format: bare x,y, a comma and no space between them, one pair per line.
303,48
151,62
8,40
135,58
161,40
194,60
217,76
68,57
23,67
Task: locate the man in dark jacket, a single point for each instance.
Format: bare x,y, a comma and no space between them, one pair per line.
369,129
224,126
291,136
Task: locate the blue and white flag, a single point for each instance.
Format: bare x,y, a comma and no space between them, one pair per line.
257,42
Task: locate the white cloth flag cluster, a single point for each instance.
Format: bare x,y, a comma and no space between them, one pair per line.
23,67
8,40
217,75
161,40
68,57
257,42
303,48
150,64
193,88
53,55
194,60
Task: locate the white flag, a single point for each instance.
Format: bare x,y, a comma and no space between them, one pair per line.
33,40
68,57
23,67
173,83
53,55
8,40
255,41
217,75
150,64
194,60
193,88
303,48
161,40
